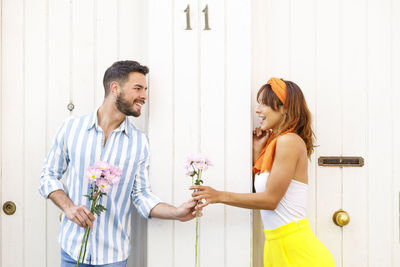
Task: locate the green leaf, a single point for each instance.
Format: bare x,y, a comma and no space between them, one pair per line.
99,209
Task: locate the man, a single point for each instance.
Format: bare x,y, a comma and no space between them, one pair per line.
105,135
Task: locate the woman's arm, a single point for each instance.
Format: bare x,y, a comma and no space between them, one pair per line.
287,153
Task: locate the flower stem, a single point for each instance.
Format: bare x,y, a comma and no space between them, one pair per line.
83,241
87,229
197,221
197,235
87,237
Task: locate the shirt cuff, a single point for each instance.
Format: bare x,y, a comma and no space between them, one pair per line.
50,186
145,202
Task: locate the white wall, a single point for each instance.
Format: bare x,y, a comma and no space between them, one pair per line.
200,101
344,56
54,53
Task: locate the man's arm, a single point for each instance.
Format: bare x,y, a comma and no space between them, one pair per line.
149,205
55,164
184,212
78,214
50,186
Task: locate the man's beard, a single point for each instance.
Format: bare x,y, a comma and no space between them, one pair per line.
125,107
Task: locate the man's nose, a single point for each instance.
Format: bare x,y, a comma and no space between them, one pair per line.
144,94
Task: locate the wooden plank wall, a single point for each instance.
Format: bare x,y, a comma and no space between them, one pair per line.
55,53
200,101
345,58
203,84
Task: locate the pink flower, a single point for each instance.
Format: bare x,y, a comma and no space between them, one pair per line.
197,161
201,165
106,173
103,185
92,174
112,179
115,180
113,174
209,162
195,165
101,165
116,171
189,161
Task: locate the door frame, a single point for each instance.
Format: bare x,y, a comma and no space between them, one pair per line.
1,128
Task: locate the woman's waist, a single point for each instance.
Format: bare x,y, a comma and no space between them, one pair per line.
283,214
287,229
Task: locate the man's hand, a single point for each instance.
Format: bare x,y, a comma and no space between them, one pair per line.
187,210
80,215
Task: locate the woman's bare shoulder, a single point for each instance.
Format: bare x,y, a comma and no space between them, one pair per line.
291,141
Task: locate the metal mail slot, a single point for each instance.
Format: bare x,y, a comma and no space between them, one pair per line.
341,161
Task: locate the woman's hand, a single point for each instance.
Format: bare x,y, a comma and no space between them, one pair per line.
209,194
260,138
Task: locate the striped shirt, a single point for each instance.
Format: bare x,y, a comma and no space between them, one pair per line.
78,144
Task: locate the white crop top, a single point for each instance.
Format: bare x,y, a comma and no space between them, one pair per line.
292,206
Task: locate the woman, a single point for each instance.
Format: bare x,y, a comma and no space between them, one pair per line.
282,146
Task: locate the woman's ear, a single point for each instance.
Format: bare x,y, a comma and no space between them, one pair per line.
282,110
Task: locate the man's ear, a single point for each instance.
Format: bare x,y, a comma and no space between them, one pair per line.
114,88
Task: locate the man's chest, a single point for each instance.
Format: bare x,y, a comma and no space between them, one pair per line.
84,149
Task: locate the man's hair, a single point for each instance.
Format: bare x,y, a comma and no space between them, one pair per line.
119,72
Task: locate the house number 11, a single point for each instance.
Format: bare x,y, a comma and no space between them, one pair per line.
206,24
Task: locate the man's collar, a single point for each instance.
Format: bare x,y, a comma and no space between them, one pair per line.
124,126
92,120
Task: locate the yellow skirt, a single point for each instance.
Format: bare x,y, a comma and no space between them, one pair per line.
295,245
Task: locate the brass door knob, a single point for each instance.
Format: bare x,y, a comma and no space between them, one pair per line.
9,208
341,218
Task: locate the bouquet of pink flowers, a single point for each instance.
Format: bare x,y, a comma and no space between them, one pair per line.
101,176
195,166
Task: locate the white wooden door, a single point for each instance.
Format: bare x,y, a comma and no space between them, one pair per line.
344,55
200,101
55,53
345,58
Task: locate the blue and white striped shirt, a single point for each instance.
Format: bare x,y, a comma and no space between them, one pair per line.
78,144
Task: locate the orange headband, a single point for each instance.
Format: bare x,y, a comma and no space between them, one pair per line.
279,88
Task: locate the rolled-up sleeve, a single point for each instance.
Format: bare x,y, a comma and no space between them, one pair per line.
55,164
142,197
